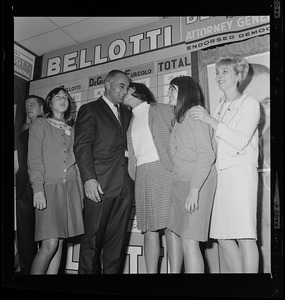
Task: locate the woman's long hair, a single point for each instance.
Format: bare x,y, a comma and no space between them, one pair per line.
68,118
188,96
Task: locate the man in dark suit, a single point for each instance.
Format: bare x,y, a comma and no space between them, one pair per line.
100,149
25,211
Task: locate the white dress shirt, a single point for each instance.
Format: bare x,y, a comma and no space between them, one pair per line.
115,111
112,106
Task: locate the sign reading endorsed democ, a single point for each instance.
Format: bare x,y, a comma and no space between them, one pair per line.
203,32
24,63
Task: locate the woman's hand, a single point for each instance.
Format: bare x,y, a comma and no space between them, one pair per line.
40,201
191,202
199,113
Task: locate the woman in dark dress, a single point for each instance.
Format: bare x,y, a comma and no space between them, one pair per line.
54,179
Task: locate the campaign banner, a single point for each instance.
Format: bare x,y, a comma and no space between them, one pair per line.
203,32
141,39
137,72
24,63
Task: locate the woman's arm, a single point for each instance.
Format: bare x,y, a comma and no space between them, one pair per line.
200,113
239,136
205,155
84,137
245,126
36,167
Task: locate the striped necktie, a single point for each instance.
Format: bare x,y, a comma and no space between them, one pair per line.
119,114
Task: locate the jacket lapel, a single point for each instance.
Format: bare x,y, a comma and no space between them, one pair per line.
109,111
130,148
129,133
150,117
233,111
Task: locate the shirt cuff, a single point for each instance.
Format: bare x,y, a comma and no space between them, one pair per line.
37,187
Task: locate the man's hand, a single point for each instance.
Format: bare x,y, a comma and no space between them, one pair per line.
92,189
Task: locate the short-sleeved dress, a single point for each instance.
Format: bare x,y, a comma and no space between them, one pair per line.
51,166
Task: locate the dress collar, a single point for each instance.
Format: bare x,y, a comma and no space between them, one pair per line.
141,107
111,104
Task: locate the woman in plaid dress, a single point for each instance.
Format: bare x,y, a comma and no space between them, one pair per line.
150,165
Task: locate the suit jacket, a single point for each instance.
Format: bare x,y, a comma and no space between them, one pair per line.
237,134
160,117
100,144
23,185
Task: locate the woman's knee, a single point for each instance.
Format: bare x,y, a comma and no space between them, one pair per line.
188,244
50,245
151,234
227,244
247,243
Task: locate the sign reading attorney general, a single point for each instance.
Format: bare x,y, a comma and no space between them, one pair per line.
204,32
127,43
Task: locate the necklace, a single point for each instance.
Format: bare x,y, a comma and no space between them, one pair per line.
220,118
60,125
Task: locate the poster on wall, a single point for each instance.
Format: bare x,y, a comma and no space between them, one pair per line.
167,69
259,87
215,93
24,63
